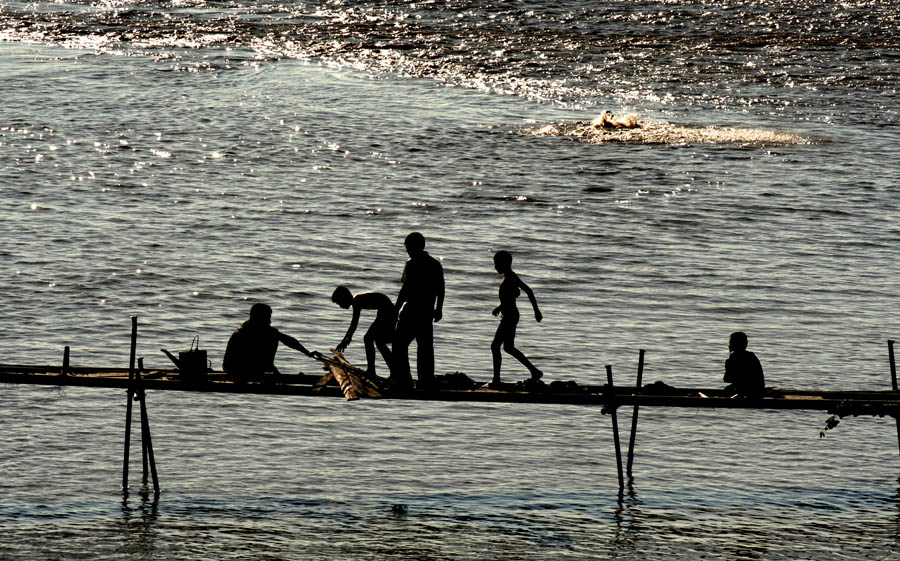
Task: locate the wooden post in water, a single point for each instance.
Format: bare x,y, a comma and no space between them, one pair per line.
611,406
634,415
894,380
893,365
130,400
65,364
147,443
142,396
144,458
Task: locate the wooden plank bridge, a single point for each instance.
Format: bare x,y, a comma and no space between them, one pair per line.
345,381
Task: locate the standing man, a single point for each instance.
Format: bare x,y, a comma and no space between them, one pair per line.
420,304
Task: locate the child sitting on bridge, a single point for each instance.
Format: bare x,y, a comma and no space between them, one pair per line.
743,372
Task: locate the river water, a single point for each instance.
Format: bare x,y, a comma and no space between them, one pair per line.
180,160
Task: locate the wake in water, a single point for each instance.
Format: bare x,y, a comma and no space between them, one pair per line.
609,128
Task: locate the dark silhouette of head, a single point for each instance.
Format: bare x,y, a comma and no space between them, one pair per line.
738,341
260,314
415,244
342,297
502,261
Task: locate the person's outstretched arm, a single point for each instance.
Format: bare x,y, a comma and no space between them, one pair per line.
293,343
401,296
538,316
350,331
439,306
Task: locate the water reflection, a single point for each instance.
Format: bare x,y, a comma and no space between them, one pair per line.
628,518
896,500
139,522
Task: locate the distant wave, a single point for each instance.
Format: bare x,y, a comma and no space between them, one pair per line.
663,132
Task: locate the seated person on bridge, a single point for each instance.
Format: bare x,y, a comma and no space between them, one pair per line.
380,333
251,348
743,372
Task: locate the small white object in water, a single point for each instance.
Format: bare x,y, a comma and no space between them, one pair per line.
608,120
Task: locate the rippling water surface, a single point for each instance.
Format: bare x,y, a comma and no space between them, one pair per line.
179,161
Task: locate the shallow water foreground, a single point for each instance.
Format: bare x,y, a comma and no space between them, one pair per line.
299,478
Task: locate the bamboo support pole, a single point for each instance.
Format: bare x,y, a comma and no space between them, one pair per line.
893,365
129,406
144,459
143,395
894,380
65,364
147,445
611,407
634,415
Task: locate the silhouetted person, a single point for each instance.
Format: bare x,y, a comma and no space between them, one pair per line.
251,348
509,313
380,333
743,372
420,304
